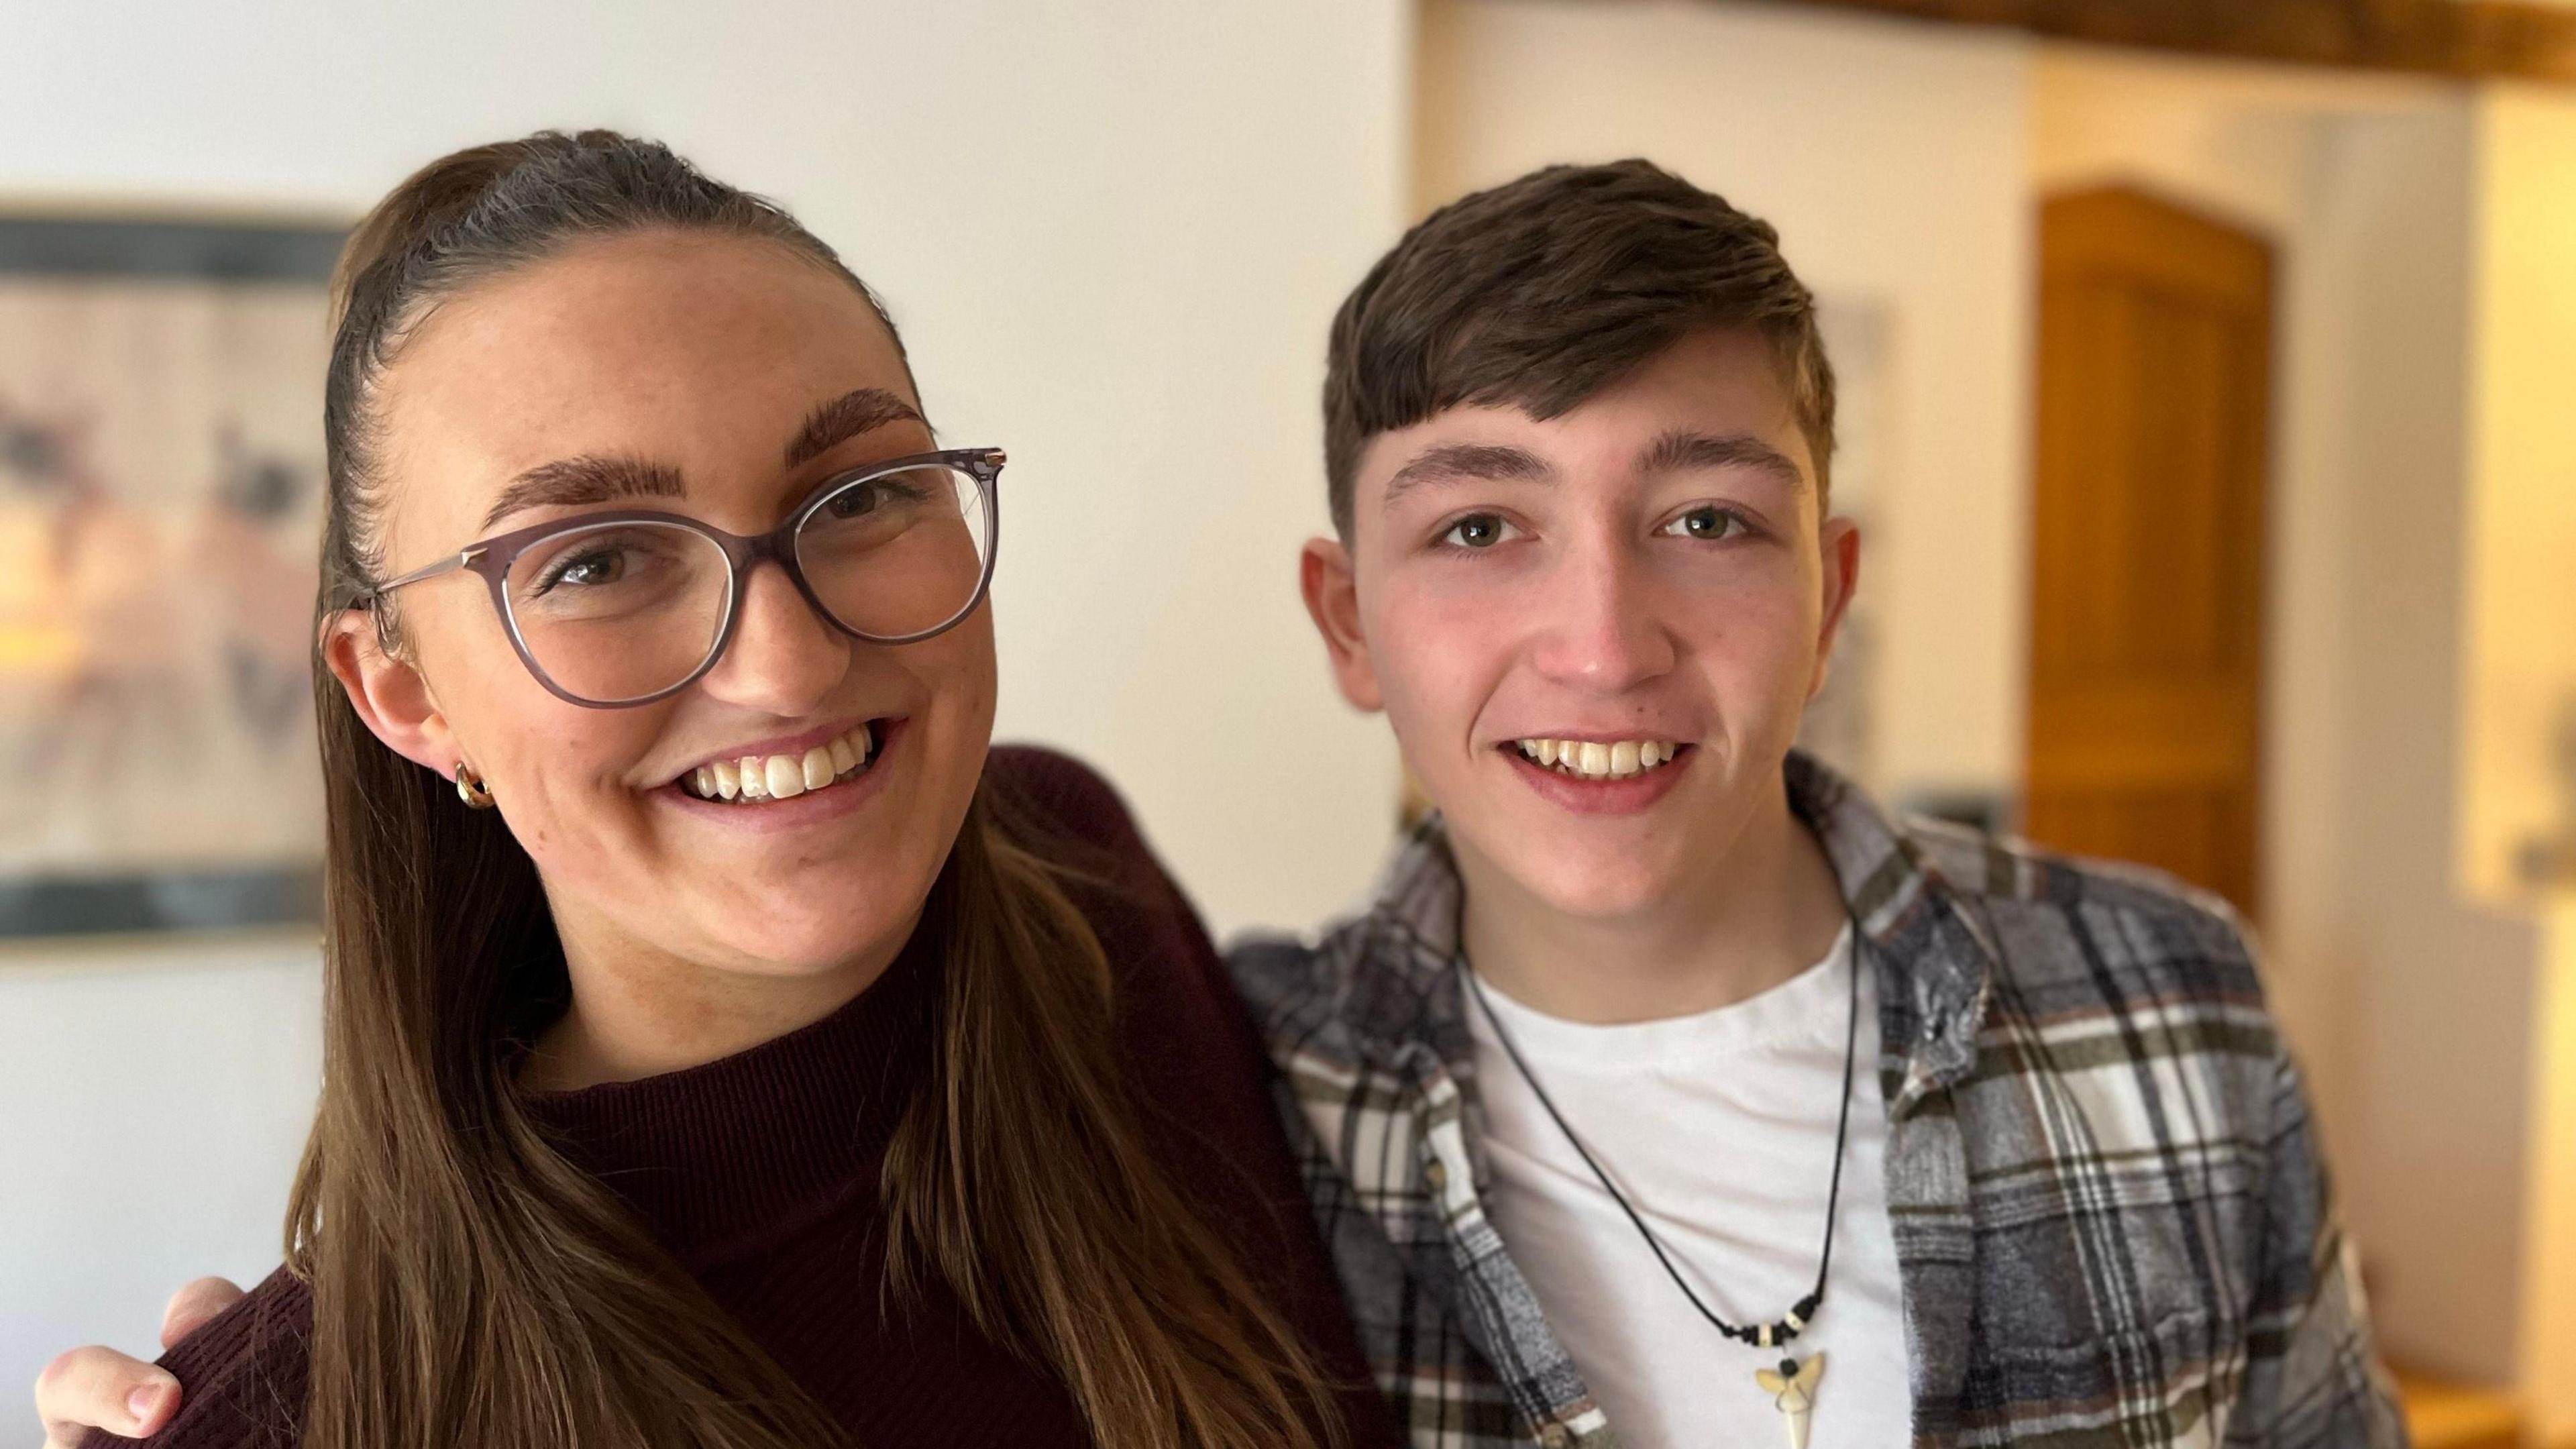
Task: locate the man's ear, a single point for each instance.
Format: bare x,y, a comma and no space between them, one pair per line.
388,693
1839,540
1333,602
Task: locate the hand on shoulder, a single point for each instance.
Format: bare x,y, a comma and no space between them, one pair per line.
98,1388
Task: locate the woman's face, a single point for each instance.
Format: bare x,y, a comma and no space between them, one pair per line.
727,379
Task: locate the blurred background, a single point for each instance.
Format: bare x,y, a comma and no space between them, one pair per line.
2211,414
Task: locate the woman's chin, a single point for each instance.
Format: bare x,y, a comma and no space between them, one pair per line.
790,954
810,920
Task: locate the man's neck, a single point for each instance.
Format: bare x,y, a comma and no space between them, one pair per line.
1740,925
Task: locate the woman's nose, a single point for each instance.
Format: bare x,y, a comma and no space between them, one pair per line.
784,658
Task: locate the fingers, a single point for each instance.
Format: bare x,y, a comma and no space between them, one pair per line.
99,1388
191,1306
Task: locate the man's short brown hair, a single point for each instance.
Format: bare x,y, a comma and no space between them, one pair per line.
1541,292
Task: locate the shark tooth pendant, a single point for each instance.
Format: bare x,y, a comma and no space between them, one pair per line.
1793,1388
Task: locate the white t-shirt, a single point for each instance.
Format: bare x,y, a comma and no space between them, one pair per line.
1719,1129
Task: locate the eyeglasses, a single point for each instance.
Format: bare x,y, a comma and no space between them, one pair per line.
616,609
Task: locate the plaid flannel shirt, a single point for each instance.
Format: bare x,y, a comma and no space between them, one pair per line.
2111,1218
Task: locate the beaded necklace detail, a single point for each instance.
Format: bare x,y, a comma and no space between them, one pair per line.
1792,1384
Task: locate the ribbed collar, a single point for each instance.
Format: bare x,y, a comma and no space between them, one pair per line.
721,1159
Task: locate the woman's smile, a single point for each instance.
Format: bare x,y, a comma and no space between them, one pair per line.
769,791
784,768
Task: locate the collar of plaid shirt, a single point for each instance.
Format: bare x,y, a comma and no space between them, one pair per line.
2110,1222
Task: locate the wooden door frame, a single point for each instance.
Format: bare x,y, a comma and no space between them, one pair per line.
2159,233
2461,39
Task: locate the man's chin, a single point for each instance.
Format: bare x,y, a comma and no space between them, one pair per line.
1605,901
1580,878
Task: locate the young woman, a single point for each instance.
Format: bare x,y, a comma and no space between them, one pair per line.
721,1049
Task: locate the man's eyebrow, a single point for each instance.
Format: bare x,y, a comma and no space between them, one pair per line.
1682,450
1455,462
590,478
845,417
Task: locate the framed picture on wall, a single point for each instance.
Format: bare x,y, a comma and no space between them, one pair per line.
160,505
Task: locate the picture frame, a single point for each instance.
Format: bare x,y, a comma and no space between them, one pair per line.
161,480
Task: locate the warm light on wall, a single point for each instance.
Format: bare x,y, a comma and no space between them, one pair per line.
2549,1309
2520,689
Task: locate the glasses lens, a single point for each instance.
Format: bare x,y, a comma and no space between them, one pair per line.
621,610
900,553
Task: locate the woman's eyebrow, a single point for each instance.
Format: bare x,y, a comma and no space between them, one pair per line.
590,478
598,478
845,417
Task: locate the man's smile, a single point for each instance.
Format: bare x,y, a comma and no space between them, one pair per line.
1600,759
1600,777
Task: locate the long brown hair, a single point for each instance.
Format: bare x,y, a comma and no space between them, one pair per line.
470,1286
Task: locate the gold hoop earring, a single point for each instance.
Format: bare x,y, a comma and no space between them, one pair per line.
471,789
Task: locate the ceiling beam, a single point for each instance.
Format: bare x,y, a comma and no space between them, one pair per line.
2470,39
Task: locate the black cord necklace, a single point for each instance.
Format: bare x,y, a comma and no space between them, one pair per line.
1793,1384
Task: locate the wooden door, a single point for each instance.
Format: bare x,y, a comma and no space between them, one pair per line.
2146,635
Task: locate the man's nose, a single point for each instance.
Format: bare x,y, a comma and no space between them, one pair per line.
1600,624
785,659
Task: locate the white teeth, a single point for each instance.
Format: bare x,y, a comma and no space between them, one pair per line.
1595,760
784,776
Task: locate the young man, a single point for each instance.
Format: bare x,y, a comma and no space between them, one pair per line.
1656,1012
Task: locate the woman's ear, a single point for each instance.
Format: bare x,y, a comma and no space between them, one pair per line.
388,693
1333,602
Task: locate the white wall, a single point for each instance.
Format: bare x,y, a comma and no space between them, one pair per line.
2437,992
1890,158
2549,1305
2391,985
2248,145
1113,234
2245,146
2520,705
152,1102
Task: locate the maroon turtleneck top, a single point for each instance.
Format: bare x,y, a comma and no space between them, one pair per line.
759,1173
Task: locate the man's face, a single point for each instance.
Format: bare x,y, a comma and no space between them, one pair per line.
1594,636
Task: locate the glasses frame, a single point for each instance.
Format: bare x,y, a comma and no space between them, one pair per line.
492,557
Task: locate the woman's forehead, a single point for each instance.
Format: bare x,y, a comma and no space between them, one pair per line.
703,355
710,311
